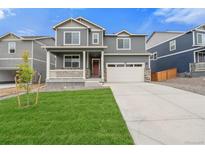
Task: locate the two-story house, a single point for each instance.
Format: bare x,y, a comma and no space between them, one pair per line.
185,51
12,48
84,53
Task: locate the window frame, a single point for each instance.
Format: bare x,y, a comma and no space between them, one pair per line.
71,61
170,44
9,47
203,38
71,37
98,38
123,48
153,56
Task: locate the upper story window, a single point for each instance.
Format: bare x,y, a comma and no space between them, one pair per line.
95,38
72,38
200,38
172,45
123,44
12,47
72,61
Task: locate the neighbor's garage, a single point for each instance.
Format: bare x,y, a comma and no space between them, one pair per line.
125,72
7,76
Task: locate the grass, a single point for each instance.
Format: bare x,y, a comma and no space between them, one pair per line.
69,117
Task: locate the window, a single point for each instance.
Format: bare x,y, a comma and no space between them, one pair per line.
123,44
12,47
172,45
95,38
71,61
154,56
200,38
72,38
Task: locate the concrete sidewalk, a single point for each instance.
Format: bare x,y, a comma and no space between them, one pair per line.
157,114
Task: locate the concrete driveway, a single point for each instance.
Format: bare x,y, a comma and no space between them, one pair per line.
157,114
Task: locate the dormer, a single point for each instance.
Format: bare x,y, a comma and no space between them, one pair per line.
71,32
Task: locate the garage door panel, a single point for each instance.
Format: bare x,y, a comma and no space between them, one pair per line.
128,73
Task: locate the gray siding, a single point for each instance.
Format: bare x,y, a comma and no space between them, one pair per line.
137,44
21,46
83,36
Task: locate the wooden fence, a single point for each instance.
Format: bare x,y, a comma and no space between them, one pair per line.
164,75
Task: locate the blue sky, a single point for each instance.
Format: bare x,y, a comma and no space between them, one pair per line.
41,21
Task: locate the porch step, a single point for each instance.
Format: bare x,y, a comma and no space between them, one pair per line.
93,84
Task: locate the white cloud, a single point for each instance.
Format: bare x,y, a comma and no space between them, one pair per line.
26,32
5,13
187,16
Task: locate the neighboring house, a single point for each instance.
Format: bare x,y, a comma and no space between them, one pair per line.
84,54
186,52
158,37
12,48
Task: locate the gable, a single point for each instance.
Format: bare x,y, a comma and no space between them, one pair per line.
89,23
123,33
10,36
71,23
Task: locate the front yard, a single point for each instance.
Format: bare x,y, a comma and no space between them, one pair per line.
69,117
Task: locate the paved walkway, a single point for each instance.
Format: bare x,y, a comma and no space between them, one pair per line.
157,114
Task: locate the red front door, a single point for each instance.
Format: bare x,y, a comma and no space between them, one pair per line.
96,68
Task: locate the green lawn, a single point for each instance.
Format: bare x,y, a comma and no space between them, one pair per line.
69,117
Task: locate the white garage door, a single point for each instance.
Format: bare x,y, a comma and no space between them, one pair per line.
121,72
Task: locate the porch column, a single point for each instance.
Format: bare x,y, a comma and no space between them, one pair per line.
102,66
84,65
48,65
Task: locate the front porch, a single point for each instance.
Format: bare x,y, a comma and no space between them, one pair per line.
76,66
199,62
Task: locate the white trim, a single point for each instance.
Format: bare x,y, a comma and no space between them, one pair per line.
68,70
172,43
102,38
97,59
102,66
127,54
143,64
55,37
197,51
47,65
180,52
124,31
203,38
71,28
200,30
193,38
10,47
32,53
11,34
98,38
76,47
71,37
149,63
71,62
90,22
87,59
56,26
84,63
87,38
123,48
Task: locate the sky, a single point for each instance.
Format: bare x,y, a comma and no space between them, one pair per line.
140,21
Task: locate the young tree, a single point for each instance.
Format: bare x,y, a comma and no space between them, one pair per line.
24,74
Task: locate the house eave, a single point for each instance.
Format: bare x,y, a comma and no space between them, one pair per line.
128,54
74,47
